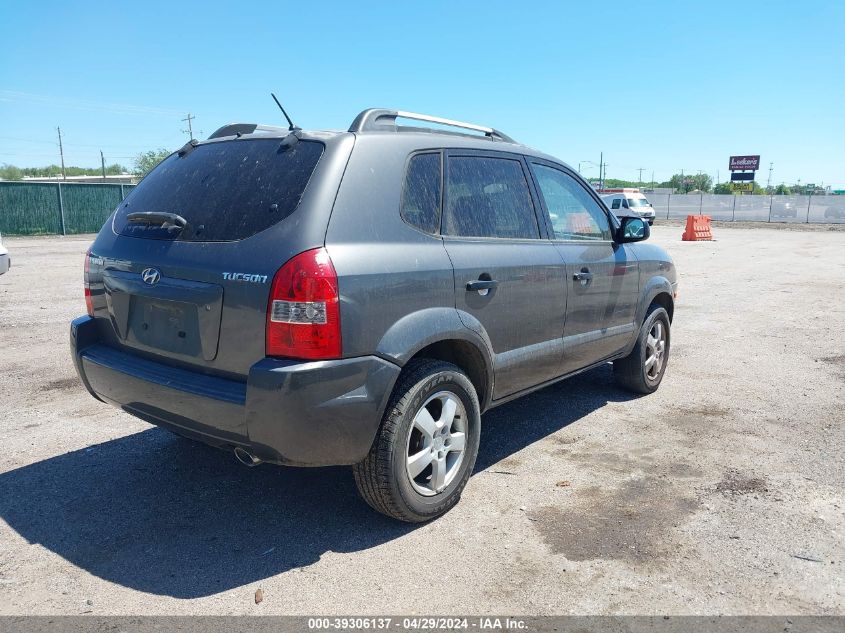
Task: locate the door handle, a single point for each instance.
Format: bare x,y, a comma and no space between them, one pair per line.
584,276
482,284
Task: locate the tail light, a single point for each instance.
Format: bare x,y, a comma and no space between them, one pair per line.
87,284
303,313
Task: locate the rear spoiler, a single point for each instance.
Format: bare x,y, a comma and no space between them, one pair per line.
238,129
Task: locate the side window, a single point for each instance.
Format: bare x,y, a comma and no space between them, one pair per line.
488,197
421,193
615,203
573,212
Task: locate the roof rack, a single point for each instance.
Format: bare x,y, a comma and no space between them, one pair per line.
233,129
375,119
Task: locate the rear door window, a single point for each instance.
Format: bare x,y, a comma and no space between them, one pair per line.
488,197
226,191
421,192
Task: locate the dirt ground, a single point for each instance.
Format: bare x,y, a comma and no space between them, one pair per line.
720,494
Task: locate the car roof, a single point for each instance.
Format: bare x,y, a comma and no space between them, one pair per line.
379,125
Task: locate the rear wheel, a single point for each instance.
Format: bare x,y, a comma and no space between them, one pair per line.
426,446
642,370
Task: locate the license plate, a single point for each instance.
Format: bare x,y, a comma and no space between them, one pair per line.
166,325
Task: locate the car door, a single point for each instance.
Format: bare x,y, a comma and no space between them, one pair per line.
510,280
602,276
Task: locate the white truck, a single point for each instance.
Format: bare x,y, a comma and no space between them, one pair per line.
628,202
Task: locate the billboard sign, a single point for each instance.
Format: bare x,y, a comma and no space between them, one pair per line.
745,163
742,175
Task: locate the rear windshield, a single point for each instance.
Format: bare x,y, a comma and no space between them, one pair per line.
224,191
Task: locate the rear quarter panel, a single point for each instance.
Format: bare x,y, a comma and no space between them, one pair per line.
386,269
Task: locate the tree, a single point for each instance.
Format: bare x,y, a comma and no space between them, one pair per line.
10,172
723,188
690,182
703,182
617,183
145,162
782,190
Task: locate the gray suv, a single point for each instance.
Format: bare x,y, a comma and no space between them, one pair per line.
362,297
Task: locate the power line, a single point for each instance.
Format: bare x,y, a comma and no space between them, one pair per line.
79,104
93,145
26,140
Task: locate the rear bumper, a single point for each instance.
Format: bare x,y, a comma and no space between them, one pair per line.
5,263
288,412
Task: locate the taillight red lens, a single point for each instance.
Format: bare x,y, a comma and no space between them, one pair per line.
303,312
87,285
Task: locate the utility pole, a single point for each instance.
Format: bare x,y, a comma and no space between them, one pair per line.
601,173
103,165
640,181
769,181
190,129
652,179
61,152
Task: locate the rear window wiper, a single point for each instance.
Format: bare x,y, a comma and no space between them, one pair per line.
164,220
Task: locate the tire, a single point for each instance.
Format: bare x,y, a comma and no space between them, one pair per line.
384,479
631,372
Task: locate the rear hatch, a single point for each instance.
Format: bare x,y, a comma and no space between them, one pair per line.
182,273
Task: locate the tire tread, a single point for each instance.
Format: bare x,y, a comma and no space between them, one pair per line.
373,475
628,371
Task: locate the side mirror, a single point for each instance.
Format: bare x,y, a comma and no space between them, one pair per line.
632,230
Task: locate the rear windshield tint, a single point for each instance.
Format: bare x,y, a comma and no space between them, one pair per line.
225,191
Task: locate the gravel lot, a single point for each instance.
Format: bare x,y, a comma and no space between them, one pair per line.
721,493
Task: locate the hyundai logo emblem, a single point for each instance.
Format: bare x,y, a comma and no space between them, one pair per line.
150,276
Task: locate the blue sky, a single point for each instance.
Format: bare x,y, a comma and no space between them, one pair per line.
660,85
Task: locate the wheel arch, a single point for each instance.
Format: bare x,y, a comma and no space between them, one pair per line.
657,290
467,357
441,334
665,300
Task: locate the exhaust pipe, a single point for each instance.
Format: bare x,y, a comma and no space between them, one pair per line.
246,458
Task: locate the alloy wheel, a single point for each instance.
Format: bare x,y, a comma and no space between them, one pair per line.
655,350
436,443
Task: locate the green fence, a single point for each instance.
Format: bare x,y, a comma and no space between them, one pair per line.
47,208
